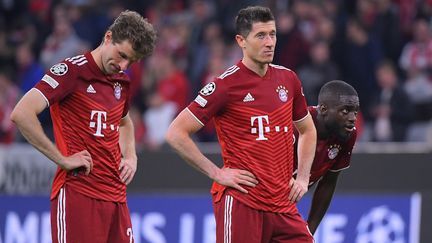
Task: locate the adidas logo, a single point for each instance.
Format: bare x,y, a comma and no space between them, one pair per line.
91,90
248,98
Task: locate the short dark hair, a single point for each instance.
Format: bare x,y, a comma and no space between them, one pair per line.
252,14
131,26
331,91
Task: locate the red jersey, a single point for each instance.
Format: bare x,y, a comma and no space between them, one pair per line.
331,154
253,117
86,108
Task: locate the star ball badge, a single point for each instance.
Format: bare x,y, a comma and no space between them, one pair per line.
117,90
333,151
282,92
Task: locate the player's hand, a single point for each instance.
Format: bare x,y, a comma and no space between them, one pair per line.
298,189
127,169
235,178
80,159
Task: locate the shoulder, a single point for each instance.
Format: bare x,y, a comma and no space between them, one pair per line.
281,69
230,72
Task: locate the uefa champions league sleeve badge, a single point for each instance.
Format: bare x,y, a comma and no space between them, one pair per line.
117,90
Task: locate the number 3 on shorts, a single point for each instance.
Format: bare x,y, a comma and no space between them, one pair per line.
130,234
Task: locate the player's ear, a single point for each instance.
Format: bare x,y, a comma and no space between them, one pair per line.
240,41
108,36
323,109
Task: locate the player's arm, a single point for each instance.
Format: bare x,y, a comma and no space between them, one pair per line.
306,152
179,137
321,199
25,118
128,163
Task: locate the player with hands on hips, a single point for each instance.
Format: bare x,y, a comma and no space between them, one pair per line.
88,97
255,105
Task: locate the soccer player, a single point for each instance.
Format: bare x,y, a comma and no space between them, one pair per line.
95,148
334,119
254,104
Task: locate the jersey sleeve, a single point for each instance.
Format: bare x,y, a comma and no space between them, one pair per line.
300,110
57,83
210,101
345,158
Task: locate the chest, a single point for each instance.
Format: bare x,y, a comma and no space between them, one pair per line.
327,152
262,94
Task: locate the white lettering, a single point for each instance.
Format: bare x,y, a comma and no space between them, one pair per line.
261,127
98,124
25,233
209,229
150,224
329,228
187,223
45,228
136,226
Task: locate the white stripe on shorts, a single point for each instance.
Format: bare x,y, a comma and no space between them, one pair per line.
227,219
61,217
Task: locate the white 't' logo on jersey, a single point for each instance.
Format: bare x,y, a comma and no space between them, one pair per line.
99,124
263,127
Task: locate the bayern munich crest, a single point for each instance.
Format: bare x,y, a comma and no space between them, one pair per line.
59,69
117,90
333,151
282,92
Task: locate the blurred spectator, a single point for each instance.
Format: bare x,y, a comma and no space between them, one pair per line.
62,42
386,28
9,95
362,53
417,54
319,70
29,70
171,95
419,88
292,48
391,110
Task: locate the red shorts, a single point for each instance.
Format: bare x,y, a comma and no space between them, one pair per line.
238,223
77,218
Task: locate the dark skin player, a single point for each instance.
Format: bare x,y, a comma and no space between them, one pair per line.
338,106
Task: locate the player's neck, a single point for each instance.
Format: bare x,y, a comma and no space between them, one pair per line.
97,57
258,68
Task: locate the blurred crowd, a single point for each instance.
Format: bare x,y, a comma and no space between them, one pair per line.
381,47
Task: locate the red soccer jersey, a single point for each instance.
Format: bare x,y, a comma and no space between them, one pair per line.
86,107
253,117
331,154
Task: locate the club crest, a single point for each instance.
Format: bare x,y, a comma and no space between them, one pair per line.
333,151
117,90
282,92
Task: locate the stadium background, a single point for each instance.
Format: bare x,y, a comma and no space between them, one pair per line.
368,43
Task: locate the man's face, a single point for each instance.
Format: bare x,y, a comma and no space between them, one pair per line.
260,43
117,57
342,115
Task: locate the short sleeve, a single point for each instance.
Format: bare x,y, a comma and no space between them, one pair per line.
57,83
210,101
300,110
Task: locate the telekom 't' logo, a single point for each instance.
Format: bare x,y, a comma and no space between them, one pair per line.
260,126
99,124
